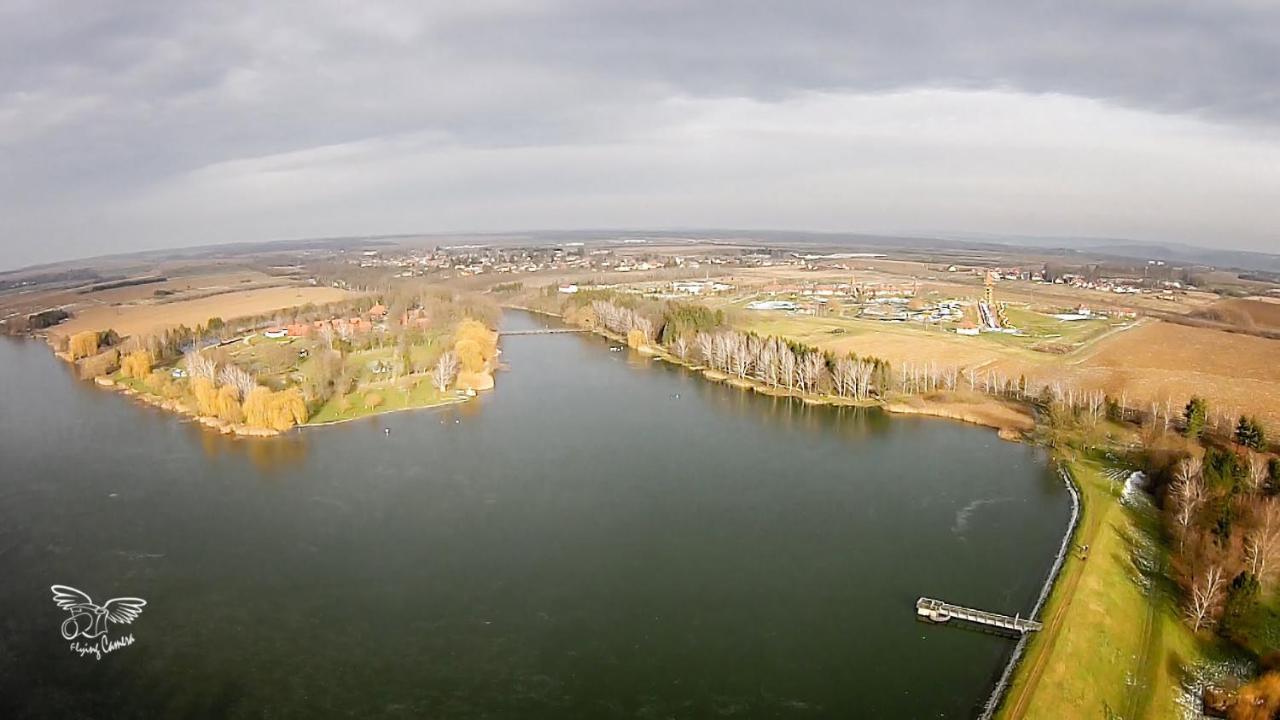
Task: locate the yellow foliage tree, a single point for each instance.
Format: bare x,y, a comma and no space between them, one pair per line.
257,407
1259,700
136,364
206,396
470,354
83,344
287,409
635,338
275,410
228,403
475,344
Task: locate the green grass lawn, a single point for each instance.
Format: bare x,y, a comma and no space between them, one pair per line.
409,392
1039,327
1113,644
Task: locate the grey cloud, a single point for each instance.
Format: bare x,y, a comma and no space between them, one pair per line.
101,100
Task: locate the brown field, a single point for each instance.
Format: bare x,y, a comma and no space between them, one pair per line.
180,283
1246,314
1237,373
1153,361
931,279
147,316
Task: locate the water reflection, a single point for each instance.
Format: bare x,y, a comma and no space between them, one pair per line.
273,457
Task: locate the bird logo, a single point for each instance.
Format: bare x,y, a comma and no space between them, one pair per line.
89,619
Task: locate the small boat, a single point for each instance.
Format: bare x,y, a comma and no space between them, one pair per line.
615,348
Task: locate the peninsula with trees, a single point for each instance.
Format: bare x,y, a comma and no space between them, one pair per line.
310,365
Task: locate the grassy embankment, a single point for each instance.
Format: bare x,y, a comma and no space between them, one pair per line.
1113,645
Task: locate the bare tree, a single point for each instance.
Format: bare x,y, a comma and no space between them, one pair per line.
787,367
1262,542
1187,493
810,369
200,366
706,347
1206,596
843,377
680,346
240,379
767,362
445,370
739,353
863,371
1258,471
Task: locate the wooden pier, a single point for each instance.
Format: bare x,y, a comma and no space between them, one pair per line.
542,331
940,612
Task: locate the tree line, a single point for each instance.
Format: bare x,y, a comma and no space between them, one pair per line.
695,333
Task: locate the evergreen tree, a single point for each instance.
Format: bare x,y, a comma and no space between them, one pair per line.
1242,597
1195,415
1249,433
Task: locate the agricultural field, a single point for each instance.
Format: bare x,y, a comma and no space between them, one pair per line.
1237,373
1044,337
1246,313
1145,362
148,316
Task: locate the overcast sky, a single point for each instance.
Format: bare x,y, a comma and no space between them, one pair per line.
132,125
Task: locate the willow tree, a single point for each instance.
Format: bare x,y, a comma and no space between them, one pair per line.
475,344
136,364
206,396
83,345
228,405
275,410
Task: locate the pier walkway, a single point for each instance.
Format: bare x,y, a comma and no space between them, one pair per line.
940,612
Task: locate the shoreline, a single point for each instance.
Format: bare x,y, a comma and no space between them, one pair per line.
1014,668
429,406
240,430
983,410
181,410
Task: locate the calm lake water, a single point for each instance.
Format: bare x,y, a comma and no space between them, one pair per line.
602,536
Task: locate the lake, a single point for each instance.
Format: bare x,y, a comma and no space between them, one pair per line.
604,535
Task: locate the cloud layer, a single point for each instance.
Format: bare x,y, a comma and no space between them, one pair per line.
126,126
